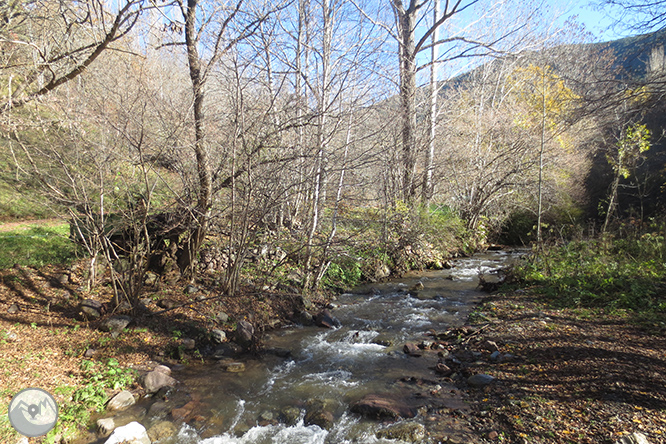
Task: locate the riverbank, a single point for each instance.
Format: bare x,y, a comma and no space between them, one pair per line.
565,375
47,341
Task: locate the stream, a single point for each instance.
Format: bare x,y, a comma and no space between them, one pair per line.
310,367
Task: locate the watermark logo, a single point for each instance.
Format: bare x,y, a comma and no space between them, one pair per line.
33,412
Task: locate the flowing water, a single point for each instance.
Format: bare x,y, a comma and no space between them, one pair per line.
267,402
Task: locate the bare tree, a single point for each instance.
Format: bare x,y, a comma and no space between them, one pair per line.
47,44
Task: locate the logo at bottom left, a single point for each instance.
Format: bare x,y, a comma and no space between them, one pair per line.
33,412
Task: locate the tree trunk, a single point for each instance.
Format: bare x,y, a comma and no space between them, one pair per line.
428,186
201,212
406,22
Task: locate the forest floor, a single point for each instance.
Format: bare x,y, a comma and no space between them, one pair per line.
568,375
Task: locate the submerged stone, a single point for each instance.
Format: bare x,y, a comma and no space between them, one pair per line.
406,431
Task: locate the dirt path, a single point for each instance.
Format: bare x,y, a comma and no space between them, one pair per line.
26,224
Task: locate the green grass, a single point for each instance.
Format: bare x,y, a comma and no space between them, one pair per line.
36,246
626,273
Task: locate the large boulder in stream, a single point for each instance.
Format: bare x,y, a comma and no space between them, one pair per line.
382,407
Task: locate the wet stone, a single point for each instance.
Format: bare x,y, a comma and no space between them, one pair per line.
325,319
105,426
406,431
227,350
379,407
412,350
155,380
290,415
162,430
158,409
232,367
121,401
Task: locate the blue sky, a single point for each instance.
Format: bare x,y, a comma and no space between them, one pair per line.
599,23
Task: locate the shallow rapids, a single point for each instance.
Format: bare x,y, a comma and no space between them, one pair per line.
267,403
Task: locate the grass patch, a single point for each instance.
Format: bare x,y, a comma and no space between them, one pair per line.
36,246
612,273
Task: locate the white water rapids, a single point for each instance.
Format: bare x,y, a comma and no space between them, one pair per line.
336,366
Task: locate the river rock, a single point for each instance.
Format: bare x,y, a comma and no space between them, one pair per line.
158,409
405,431
185,412
155,380
290,415
115,323
319,413
480,380
232,367
105,426
121,401
325,319
383,340
380,407
227,350
634,438
244,334
132,433
443,369
304,318
91,308
412,350
218,336
162,430
162,369
417,287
